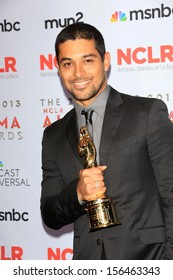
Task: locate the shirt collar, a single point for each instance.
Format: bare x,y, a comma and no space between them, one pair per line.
98,105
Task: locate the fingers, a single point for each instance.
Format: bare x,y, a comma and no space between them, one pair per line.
91,183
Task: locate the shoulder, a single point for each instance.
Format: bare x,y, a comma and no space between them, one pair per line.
58,126
134,102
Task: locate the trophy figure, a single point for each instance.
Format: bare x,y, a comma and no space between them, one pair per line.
101,211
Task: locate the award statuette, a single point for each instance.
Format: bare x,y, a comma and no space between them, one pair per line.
101,212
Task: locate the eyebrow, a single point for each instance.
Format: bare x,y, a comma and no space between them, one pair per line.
84,56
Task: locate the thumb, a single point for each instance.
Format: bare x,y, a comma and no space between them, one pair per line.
102,167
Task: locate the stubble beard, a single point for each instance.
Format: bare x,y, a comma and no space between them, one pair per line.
91,94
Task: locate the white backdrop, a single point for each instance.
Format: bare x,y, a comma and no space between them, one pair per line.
139,37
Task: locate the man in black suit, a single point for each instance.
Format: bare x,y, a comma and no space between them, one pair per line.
134,140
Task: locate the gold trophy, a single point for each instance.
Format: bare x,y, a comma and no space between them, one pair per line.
101,212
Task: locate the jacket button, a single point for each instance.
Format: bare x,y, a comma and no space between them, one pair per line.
99,242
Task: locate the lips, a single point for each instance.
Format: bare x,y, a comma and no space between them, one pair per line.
81,84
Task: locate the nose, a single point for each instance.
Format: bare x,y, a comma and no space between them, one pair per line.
79,70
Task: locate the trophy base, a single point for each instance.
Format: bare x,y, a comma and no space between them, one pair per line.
101,213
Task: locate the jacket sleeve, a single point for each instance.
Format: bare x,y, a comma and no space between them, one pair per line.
160,148
59,202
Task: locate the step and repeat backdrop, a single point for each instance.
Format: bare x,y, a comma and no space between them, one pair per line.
138,34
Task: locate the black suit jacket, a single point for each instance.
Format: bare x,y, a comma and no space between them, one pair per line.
137,147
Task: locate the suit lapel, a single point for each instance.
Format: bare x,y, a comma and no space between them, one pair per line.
113,115
73,136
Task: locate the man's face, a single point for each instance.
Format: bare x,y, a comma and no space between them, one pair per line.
81,69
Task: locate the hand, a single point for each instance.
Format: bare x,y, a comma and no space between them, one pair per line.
91,183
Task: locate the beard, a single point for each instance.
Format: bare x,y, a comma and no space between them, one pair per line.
87,94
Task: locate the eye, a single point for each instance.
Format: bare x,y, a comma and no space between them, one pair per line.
67,64
88,61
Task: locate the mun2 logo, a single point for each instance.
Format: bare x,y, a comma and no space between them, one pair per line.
118,16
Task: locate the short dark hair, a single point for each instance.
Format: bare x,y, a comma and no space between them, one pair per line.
81,30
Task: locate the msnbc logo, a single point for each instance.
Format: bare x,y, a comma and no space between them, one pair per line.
1,164
118,16
161,11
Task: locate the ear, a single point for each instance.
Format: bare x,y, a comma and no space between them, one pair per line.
107,61
57,66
